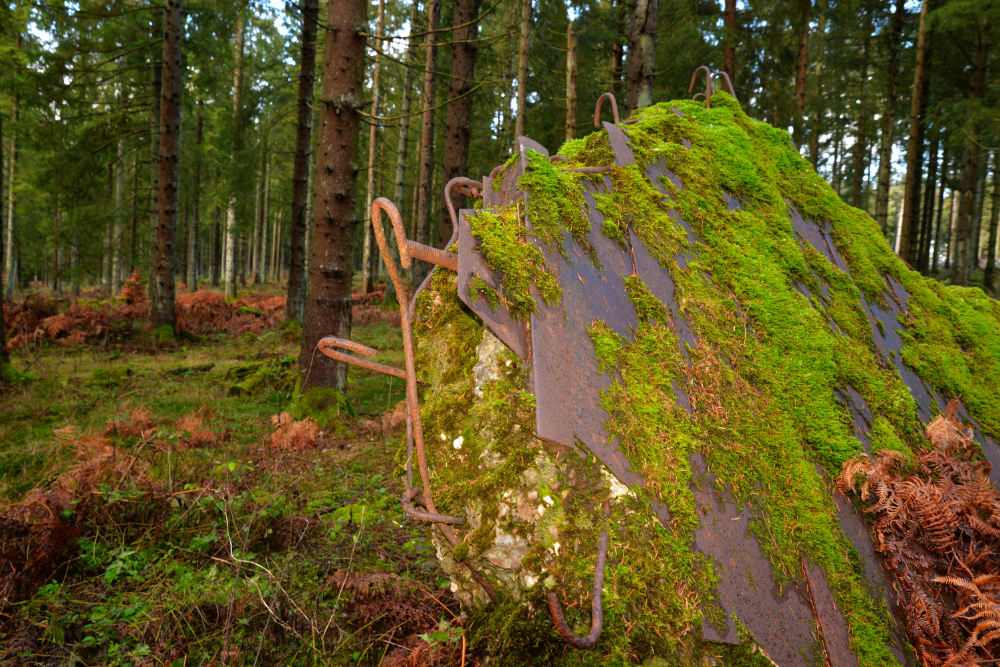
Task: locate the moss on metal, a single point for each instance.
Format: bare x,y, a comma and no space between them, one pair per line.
782,331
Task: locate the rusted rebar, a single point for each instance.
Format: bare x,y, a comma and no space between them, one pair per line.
596,608
329,345
614,109
710,78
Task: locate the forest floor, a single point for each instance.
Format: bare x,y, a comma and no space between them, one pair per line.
156,508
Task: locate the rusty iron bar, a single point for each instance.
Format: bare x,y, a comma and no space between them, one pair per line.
596,608
592,170
414,426
329,345
430,517
614,109
710,78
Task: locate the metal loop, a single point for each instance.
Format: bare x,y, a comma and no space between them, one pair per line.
328,346
596,608
729,83
466,186
614,109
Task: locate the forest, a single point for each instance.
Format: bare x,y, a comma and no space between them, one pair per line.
186,199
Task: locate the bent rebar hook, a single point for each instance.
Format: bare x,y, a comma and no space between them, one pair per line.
614,109
596,607
710,78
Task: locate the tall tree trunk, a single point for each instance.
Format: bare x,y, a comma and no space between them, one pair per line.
618,46
9,262
116,238
427,134
801,68
4,355
260,229
402,145
641,54
154,150
942,182
133,222
217,240
915,145
162,307
109,242
57,250
260,265
570,82
889,119
328,305
368,253
991,247
860,142
820,46
522,69
977,211
300,175
729,39
970,159
927,218
230,272
195,229
463,64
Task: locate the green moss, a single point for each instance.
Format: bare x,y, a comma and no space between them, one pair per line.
519,265
163,334
478,288
763,381
324,405
555,202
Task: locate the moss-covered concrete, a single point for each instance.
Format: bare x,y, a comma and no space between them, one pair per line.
782,332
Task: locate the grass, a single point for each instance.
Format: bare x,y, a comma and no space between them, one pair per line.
235,552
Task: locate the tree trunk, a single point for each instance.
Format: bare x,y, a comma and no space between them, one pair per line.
570,82
162,306
4,354
641,54
729,40
195,229
456,145
970,160
927,218
261,263
154,174
802,66
217,239
617,47
133,222
940,212
260,229
9,262
522,69
915,145
300,176
889,119
860,142
402,145
820,46
368,250
977,212
109,242
991,247
328,304
116,237
230,273
427,135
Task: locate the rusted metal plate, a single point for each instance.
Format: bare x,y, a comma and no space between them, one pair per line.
619,144
781,622
471,264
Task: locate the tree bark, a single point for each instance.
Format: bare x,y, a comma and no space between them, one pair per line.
641,54
927,217
427,135
889,119
300,176
402,145
328,304
977,212
463,67
9,258
861,140
260,228
617,47
729,39
116,237
230,272
217,239
195,228
962,265
991,247
570,82
801,68
162,306
522,69
368,250
109,229
4,354
154,174
939,212
915,145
